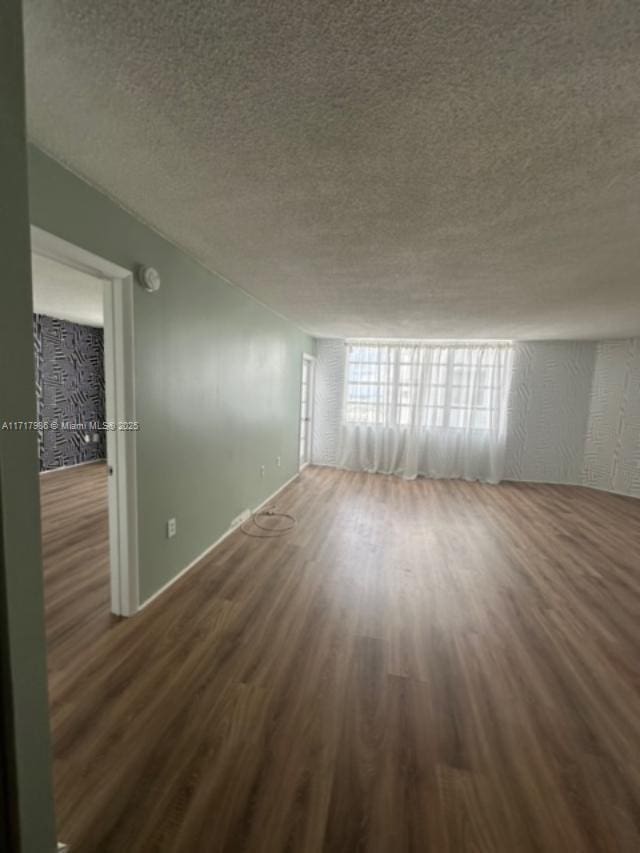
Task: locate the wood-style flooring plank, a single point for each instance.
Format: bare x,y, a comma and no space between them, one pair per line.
432,666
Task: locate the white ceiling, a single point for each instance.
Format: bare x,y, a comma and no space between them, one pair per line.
62,292
427,169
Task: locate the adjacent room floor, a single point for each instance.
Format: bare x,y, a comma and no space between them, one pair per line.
75,550
418,666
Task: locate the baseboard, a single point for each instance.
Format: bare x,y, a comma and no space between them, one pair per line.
572,483
541,482
275,494
218,541
610,491
513,480
71,467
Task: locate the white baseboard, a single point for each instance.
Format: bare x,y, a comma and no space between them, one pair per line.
275,494
591,486
70,467
215,544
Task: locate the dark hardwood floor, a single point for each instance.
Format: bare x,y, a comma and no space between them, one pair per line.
418,666
75,551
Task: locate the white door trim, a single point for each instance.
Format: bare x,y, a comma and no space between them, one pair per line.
312,379
120,409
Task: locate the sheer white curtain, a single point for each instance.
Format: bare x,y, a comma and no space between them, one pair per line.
438,410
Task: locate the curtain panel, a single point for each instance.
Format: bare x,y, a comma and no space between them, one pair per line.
433,410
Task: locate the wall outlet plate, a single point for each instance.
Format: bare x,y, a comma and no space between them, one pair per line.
262,470
278,461
171,528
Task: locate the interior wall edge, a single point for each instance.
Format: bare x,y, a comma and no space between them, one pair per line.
26,809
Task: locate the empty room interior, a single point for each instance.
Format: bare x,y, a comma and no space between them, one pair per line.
320,427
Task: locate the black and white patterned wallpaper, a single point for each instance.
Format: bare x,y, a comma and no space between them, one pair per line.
69,365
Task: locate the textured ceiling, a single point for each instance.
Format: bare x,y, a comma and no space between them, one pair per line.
65,293
424,169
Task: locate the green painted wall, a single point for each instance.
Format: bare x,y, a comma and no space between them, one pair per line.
217,378
24,712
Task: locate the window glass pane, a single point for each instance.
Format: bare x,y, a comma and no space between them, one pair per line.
351,412
484,376
434,417
435,396
460,375
452,385
361,413
459,396
404,415
481,397
407,374
438,374
364,393
458,418
406,395
481,420
365,372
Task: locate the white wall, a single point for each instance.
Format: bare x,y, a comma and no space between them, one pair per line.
329,387
574,412
612,446
548,411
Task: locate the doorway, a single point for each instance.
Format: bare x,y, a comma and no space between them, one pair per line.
306,410
90,451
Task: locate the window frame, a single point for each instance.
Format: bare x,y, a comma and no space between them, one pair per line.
437,416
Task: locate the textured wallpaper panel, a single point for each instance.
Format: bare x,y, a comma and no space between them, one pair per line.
69,365
330,361
549,410
612,446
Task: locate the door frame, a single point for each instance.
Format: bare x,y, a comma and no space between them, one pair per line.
120,409
311,359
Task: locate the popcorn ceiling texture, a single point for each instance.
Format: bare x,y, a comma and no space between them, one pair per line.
443,169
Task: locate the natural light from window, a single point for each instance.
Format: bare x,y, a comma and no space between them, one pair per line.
428,385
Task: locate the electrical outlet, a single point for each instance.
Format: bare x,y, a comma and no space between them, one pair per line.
262,469
171,528
278,461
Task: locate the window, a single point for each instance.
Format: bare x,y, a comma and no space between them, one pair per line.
426,385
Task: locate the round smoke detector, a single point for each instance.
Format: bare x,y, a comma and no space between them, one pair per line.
149,278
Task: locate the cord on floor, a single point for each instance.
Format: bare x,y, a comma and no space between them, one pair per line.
268,532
